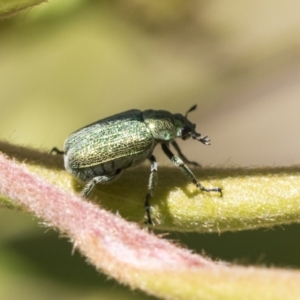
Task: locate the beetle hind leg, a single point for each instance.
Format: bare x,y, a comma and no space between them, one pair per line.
151,187
98,179
187,172
55,150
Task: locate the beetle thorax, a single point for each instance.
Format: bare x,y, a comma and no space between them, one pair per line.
162,125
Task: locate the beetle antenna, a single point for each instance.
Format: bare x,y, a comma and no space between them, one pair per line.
191,109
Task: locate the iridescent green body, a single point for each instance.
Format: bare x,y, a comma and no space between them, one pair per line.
98,152
112,144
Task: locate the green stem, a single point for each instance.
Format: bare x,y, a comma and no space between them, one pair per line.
252,198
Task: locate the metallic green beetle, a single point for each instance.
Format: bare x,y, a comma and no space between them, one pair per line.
97,153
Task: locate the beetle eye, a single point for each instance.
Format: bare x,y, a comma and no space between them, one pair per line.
186,132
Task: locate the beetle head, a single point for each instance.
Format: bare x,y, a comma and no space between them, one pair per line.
187,129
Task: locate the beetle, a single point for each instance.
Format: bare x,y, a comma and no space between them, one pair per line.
99,152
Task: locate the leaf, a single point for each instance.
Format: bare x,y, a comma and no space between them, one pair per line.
126,252
11,7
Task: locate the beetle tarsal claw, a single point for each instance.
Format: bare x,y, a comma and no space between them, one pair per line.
216,189
203,139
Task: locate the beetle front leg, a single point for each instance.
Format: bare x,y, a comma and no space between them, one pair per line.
99,179
182,156
184,168
151,187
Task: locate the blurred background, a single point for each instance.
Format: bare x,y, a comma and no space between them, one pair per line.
65,64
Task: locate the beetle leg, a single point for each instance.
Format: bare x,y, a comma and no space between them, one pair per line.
183,157
184,168
99,179
55,150
151,187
